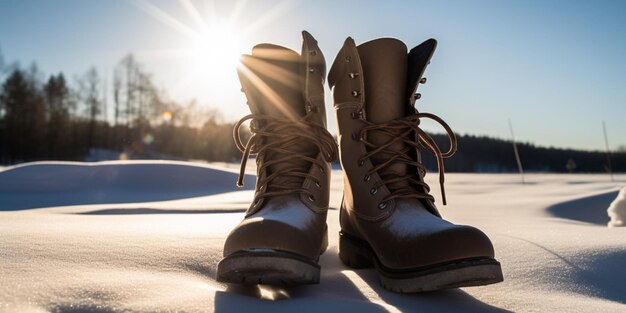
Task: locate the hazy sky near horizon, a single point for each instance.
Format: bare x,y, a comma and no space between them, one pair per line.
557,69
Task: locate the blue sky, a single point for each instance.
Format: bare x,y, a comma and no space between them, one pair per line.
555,68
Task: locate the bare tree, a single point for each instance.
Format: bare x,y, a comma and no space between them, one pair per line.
89,89
58,101
130,69
24,115
117,89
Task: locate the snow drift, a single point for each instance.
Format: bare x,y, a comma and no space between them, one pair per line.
48,184
161,256
617,210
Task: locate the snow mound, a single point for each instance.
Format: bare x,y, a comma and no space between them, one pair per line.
162,256
48,184
617,210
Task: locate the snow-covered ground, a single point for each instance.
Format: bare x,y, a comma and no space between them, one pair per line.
146,236
617,210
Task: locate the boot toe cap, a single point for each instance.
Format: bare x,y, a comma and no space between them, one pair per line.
262,233
455,243
463,242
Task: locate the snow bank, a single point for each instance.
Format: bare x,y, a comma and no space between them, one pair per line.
162,256
48,184
617,210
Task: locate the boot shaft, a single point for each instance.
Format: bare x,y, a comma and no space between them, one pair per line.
280,82
380,75
384,82
285,92
270,78
373,84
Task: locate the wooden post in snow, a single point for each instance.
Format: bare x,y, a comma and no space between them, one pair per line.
608,151
519,161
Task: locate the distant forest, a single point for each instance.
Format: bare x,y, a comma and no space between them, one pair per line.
52,119
49,118
489,155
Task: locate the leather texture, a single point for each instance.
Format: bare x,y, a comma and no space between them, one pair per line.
375,83
282,84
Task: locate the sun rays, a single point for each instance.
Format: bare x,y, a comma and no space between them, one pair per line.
214,41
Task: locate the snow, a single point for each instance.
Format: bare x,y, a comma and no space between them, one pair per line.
99,154
617,210
46,184
152,242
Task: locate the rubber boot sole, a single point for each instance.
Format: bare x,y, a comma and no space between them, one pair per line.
358,254
268,266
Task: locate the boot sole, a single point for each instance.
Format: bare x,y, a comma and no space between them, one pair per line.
358,254
267,266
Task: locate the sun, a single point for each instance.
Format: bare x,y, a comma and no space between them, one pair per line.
214,53
213,40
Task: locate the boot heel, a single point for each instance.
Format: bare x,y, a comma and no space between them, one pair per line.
353,254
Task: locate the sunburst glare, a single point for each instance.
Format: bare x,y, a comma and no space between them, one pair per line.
214,42
214,52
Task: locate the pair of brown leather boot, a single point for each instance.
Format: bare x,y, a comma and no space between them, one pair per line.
388,218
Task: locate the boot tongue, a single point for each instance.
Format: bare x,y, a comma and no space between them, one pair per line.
275,86
271,80
385,63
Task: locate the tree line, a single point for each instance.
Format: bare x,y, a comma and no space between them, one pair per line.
489,155
50,118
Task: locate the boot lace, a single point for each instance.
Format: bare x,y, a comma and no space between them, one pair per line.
283,138
407,131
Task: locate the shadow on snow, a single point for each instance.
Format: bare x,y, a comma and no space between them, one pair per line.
588,209
40,185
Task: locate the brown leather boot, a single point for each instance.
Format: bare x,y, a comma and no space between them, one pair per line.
388,218
284,230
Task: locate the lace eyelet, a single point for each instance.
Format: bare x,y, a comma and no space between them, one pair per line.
317,184
355,136
322,170
382,205
361,163
366,178
373,191
311,198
